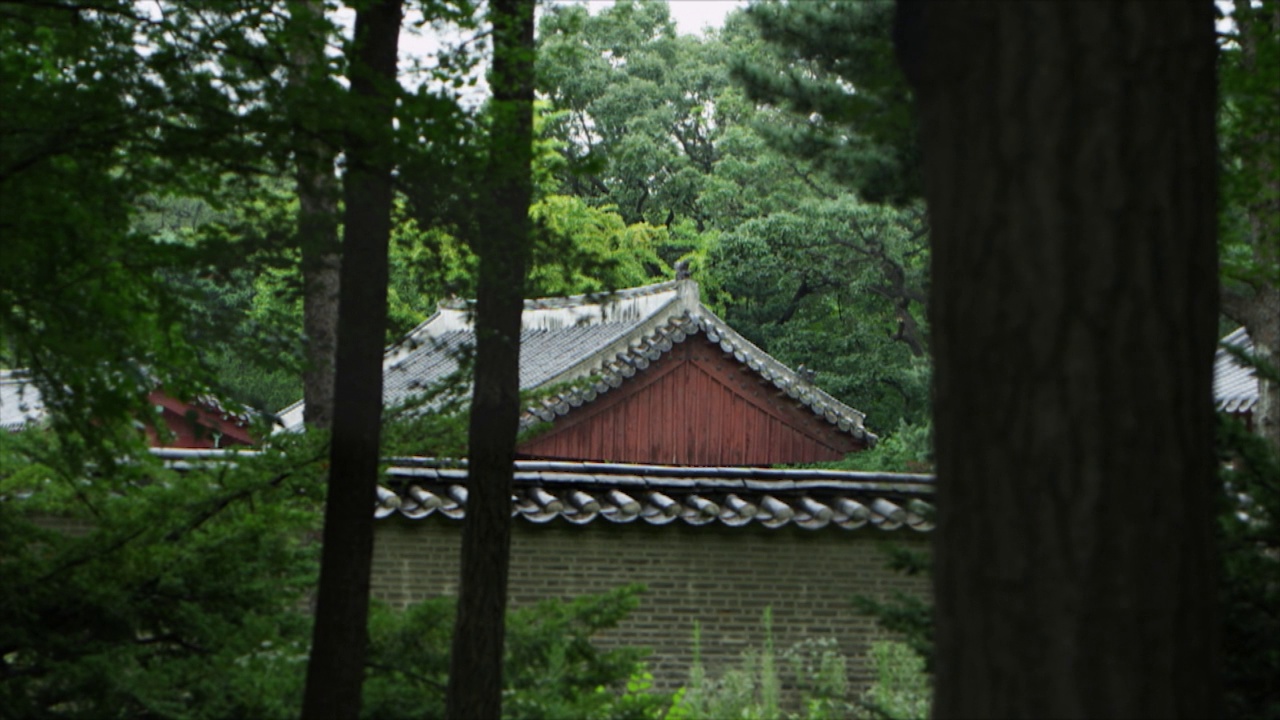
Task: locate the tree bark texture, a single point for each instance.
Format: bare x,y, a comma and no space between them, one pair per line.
1070,165
317,188
335,672
503,246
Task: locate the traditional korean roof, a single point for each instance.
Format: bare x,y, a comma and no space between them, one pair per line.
1235,387
22,406
592,344
20,403
583,492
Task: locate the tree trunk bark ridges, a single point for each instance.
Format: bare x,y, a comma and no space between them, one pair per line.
1070,164
318,191
335,672
503,246
321,263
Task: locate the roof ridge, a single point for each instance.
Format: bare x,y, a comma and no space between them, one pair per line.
614,370
629,329
568,301
778,367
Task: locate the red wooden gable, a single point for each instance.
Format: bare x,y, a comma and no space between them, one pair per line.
694,406
196,425
641,375
199,424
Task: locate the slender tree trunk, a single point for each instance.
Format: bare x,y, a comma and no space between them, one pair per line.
1070,174
1267,416
336,669
475,669
317,209
1258,310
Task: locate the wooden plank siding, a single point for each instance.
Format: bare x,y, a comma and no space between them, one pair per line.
694,406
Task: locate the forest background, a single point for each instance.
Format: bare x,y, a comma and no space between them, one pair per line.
157,214
650,152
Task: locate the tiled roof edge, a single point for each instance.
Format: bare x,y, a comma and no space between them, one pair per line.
627,505
569,301
580,493
656,331
785,379
1235,386
443,319
611,367
611,370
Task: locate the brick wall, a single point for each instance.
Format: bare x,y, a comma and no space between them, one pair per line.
721,577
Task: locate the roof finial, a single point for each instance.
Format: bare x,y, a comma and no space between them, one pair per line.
682,269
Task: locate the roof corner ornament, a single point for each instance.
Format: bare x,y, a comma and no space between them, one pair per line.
806,373
682,270
690,298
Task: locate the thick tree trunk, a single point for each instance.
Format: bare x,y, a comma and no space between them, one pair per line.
336,669
317,188
1070,165
475,669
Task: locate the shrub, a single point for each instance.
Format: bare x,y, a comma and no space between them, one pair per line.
553,670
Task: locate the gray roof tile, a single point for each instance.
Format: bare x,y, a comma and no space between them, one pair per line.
581,493
20,403
607,336
1234,386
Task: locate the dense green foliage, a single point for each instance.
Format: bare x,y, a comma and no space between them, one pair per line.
1249,186
553,668
831,63
908,449
154,592
837,286
1250,588
655,125
147,592
92,127
652,153
1249,139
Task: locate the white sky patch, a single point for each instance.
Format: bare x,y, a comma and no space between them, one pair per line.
694,16
691,16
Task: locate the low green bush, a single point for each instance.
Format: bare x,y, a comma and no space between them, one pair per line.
817,672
